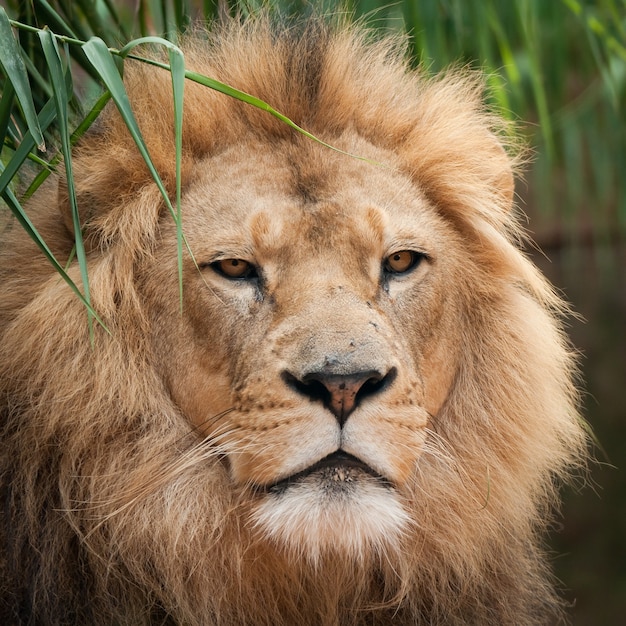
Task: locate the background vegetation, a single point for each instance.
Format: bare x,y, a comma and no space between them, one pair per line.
558,65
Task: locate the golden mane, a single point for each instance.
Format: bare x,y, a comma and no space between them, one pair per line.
116,511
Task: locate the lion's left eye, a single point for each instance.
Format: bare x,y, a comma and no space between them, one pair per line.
402,261
234,268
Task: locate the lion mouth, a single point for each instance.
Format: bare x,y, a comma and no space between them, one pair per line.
336,469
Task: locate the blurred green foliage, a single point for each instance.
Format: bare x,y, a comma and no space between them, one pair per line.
560,66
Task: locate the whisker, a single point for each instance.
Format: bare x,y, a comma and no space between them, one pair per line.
439,448
200,451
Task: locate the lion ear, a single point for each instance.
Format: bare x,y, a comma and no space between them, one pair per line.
114,208
108,180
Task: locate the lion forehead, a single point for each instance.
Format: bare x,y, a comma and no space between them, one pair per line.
270,200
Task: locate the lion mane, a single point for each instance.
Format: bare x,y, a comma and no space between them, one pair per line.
361,407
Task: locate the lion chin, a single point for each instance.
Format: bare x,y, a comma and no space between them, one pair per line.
339,504
359,407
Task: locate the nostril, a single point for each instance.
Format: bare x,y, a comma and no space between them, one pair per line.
340,393
376,384
310,387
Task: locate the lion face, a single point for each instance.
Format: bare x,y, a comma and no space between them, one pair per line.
305,327
361,407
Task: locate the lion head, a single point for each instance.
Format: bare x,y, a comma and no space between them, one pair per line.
358,410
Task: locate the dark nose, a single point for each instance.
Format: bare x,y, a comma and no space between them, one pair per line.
341,393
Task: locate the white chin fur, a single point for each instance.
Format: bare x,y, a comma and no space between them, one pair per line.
313,517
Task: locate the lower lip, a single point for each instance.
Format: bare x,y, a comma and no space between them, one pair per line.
338,467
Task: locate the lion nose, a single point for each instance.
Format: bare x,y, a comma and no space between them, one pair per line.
341,393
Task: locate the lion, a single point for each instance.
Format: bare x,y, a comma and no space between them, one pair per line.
361,407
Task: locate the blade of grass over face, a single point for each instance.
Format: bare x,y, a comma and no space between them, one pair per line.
177,71
102,59
61,98
24,221
216,85
13,65
177,63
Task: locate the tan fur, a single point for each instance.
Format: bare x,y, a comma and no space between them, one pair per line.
136,471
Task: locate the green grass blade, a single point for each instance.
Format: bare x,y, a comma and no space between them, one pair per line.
149,39
603,67
56,22
216,85
46,117
102,60
18,211
61,97
13,64
120,24
94,19
80,130
181,15
177,63
6,105
37,81
142,15
178,74
256,102
528,21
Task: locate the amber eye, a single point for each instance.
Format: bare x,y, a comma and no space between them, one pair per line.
234,268
402,261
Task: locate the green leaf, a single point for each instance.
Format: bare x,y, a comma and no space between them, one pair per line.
177,70
46,117
13,64
62,94
177,63
120,24
6,105
102,59
58,23
21,216
80,130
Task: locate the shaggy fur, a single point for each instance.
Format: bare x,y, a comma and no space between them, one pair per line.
137,472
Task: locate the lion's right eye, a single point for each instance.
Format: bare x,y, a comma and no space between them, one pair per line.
402,261
234,268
